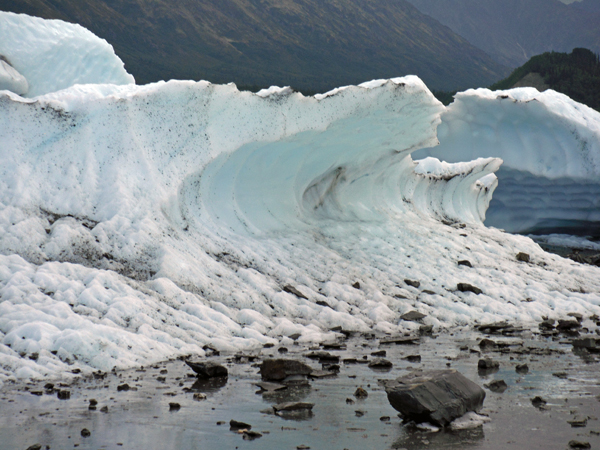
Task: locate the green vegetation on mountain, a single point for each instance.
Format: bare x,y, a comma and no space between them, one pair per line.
309,44
576,74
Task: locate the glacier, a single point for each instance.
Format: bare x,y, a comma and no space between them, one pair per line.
141,223
550,145
50,55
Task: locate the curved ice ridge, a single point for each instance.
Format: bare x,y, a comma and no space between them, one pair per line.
142,222
550,146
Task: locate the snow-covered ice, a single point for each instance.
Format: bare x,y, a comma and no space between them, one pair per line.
52,55
139,223
550,146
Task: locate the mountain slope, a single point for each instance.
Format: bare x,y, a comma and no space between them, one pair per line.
512,31
309,44
576,74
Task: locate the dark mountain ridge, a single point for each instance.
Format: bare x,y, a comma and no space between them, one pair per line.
308,44
512,31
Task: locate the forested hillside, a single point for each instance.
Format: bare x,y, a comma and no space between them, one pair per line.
576,74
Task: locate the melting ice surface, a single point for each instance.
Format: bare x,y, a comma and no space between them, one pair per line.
138,223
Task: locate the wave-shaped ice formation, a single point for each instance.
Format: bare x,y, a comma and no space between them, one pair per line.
550,145
52,55
142,222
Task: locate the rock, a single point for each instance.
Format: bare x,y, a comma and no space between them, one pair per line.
591,344
35,447
413,358
486,364
568,325
282,350
412,283
294,336
522,369
269,345
279,369
380,353
293,406
302,447
438,396
249,435
235,425
464,262
408,340
487,345
385,418
428,292
413,316
174,406
361,393
578,422
63,394
267,387
426,330
494,327
323,303
498,386
123,387
561,375
349,401
356,285
380,363
198,396
579,444
207,370
538,402
547,324
465,287
359,413
292,290
523,257
104,409
85,433
576,316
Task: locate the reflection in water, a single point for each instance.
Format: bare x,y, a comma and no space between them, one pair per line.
209,385
414,439
291,394
299,416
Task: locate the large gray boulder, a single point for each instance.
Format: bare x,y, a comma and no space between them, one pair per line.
437,396
279,369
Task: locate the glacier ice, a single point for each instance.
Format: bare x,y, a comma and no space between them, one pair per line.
550,144
138,223
52,55
12,80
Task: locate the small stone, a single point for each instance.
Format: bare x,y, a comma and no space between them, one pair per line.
174,406
93,402
487,344
198,396
561,375
379,353
579,444
380,363
35,447
356,285
349,401
523,257
412,283
208,369
63,394
123,387
487,364
104,409
413,316
282,350
269,345
465,287
302,447
522,369
498,386
293,406
578,422
538,402
235,425
413,358
292,290
361,393
385,418
251,435
85,433
359,413
464,262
